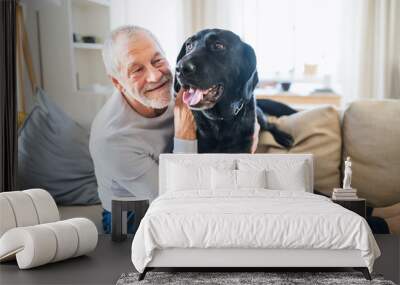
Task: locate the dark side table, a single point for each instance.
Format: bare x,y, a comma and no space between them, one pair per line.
120,206
357,205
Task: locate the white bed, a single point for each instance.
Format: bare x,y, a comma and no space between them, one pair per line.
202,225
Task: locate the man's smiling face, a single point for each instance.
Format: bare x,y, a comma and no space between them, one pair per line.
144,72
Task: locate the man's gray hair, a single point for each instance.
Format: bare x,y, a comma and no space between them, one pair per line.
109,58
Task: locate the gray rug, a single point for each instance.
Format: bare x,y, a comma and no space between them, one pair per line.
228,278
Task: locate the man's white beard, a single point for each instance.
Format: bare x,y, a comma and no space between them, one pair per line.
154,103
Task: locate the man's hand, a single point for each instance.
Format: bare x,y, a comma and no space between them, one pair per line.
255,137
185,126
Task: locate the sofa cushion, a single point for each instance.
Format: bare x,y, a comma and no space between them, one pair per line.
315,131
53,153
371,137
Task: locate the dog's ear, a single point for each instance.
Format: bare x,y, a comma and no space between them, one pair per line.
182,52
250,85
249,60
255,80
250,70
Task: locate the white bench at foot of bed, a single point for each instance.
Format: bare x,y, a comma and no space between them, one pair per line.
235,257
256,258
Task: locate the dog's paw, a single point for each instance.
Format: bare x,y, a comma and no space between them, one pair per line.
285,140
282,138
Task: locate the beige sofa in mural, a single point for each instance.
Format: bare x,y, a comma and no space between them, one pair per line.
367,131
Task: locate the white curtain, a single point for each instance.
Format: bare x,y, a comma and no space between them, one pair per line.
380,50
286,34
371,50
167,20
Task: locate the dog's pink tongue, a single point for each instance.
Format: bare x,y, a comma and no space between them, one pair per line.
192,96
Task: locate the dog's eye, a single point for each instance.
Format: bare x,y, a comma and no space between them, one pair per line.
189,46
219,46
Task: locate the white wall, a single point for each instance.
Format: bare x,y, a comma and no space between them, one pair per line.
166,19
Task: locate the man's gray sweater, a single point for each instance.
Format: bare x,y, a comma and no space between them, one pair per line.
125,147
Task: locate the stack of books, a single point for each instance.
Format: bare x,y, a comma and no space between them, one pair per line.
344,194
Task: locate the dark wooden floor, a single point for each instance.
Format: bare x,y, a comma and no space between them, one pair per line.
102,266
111,259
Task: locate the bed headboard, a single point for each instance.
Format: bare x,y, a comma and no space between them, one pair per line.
212,159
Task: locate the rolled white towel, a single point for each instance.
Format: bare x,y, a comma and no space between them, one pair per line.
45,205
32,246
26,208
24,211
40,244
67,240
7,218
87,234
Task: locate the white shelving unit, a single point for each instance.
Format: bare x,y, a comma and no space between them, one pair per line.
88,46
89,18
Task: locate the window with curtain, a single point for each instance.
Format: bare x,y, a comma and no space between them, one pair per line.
295,40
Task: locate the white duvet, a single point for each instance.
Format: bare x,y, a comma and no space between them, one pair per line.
253,218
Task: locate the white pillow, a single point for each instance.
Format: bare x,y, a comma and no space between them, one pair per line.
251,178
223,179
188,177
289,175
227,179
293,180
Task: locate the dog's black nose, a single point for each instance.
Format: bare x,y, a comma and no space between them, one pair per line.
186,68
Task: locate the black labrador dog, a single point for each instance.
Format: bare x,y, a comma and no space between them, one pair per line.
218,74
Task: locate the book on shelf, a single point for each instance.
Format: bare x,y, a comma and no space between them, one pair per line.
341,190
345,194
336,197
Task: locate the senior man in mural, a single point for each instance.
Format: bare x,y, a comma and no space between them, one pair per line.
139,121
